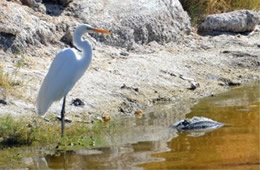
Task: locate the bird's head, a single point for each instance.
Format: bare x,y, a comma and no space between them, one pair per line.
83,28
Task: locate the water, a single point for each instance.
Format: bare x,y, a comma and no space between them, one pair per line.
234,146
148,143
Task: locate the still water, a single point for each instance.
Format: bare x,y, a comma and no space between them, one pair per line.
148,143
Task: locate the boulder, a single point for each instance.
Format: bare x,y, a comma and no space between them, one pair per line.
140,21
131,22
232,22
20,29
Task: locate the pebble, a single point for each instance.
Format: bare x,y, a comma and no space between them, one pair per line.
106,118
77,102
124,53
194,85
2,101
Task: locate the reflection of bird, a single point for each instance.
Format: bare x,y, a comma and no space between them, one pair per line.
65,70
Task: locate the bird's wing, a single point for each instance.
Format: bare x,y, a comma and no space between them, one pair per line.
58,81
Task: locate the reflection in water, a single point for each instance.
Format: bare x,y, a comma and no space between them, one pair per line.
234,146
148,143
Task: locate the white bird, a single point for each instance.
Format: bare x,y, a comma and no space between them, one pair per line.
66,69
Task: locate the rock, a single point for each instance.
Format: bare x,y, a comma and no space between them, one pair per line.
194,85
232,22
35,4
134,21
19,29
124,53
3,102
138,113
128,106
196,123
61,2
130,22
64,2
77,102
136,89
239,53
228,82
234,83
106,118
212,94
30,3
151,74
161,100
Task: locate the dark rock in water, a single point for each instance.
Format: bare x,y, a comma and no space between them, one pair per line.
77,102
196,123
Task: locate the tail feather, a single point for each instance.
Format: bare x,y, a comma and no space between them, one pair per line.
43,102
47,95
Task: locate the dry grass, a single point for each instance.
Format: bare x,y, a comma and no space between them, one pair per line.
9,81
4,80
197,9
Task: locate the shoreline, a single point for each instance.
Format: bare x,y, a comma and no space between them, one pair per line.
120,82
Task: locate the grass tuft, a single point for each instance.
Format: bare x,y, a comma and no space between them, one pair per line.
22,137
38,132
10,81
4,80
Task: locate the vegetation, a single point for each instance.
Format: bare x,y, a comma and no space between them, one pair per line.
4,80
10,81
197,9
20,137
39,132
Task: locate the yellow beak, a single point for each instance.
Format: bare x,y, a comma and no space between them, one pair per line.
101,30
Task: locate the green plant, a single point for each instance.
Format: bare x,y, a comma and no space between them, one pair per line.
12,132
37,132
20,63
30,136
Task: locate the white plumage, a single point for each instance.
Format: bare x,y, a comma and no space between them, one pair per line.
66,69
60,79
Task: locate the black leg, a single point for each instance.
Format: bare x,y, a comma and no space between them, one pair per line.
62,116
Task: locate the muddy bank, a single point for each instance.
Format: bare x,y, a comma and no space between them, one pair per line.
120,82
121,79
149,139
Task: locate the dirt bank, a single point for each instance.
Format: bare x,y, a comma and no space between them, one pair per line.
146,60
119,82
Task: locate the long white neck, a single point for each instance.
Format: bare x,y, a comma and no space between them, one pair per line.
85,47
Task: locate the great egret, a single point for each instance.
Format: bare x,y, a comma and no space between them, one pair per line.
66,69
